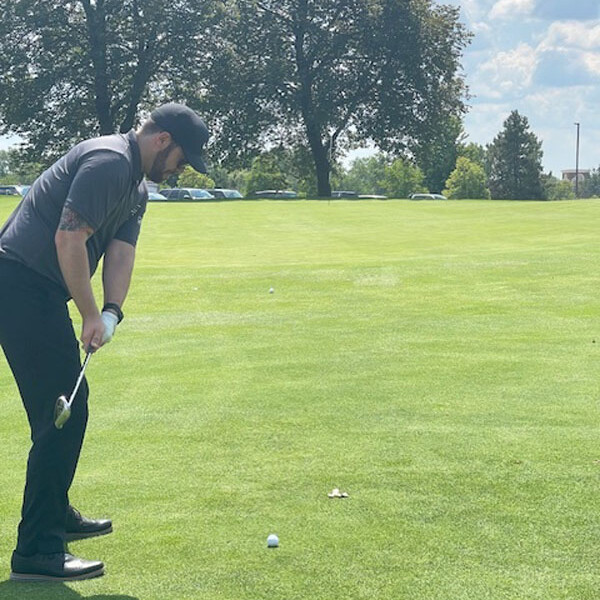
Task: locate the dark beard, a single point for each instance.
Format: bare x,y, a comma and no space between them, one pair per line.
157,171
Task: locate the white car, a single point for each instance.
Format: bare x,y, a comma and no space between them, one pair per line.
224,193
156,197
186,194
427,197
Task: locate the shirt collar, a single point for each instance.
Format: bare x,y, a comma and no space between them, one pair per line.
135,156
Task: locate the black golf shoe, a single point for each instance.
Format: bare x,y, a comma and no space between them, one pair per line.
59,566
79,527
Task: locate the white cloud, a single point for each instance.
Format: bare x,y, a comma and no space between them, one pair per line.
591,60
480,27
507,73
578,34
569,54
509,9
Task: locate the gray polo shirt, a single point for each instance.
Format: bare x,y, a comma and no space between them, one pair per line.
101,180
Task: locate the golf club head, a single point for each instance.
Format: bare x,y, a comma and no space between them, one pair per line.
62,412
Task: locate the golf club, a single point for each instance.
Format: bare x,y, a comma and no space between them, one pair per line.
62,408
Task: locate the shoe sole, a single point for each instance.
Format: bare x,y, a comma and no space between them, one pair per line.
31,577
73,537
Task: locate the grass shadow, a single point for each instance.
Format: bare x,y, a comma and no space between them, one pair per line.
11,590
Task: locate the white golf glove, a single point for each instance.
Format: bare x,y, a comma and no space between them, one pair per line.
110,321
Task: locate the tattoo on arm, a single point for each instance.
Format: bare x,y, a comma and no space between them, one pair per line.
71,221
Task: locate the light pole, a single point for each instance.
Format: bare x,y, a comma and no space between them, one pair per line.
577,163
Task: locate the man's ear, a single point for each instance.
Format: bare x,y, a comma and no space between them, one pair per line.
162,140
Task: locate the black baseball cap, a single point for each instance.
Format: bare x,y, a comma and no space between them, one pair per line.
187,130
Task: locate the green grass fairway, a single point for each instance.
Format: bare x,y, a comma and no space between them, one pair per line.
439,361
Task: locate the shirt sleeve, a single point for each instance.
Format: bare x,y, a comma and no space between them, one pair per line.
99,185
130,230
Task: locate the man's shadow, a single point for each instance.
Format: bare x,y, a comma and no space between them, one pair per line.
12,590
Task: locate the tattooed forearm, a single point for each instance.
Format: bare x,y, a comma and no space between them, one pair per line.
71,221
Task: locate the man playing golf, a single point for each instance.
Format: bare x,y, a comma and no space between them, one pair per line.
86,206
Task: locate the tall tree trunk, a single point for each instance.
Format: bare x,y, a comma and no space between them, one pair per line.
143,70
142,75
313,127
96,26
320,158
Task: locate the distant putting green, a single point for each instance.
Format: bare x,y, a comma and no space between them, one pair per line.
438,361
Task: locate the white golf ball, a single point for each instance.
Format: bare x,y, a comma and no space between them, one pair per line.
272,541
271,290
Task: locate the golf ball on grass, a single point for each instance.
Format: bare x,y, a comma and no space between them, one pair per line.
272,541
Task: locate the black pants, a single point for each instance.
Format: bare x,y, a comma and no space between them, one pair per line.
37,337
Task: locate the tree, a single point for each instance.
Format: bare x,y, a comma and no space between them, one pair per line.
223,178
69,70
4,163
364,175
555,189
467,181
15,169
401,179
591,185
437,151
265,174
515,162
476,153
192,179
331,73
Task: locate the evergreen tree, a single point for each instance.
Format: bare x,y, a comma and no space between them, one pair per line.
515,162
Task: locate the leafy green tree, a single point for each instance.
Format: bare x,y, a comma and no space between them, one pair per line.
265,174
364,175
401,179
236,179
467,181
591,185
476,153
16,169
4,163
192,179
69,70
556,189
515,162
437,151
328,74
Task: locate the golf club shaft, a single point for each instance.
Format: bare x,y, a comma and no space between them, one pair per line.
80,378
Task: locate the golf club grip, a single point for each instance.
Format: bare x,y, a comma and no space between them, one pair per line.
80,378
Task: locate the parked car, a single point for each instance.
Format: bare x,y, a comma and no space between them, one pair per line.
156,197
223,193
285,194
428,197
372,197
186,194
344,194
10,190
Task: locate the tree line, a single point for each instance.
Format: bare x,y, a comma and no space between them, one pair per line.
316,76
508,168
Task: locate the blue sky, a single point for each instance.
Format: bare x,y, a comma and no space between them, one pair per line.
542,58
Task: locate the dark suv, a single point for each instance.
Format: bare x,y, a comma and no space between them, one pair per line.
186,194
